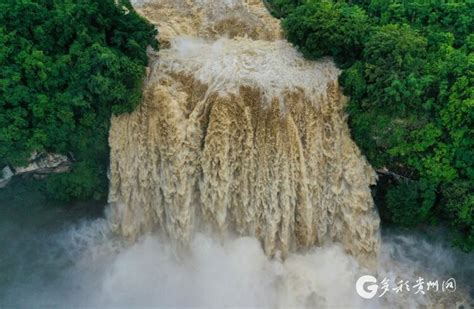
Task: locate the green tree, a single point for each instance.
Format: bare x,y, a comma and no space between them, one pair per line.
409,73
326,28
65,68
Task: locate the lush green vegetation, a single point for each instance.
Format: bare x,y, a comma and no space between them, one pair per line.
409,70
65,67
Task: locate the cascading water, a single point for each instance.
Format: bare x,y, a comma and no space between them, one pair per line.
237,132
236,135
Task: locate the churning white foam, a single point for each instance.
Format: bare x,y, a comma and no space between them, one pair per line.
86,266
236,273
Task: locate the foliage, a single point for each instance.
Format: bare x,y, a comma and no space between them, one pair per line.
281,8
409,70
65,67
405,204
323,28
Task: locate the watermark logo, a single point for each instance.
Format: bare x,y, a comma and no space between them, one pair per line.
368,286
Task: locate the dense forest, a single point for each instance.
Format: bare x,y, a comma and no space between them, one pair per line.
408,68
65,67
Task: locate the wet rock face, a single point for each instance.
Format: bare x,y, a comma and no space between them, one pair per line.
6,175
39,165
238,133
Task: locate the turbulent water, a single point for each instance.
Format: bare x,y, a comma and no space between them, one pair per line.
239,154
238,133
52,258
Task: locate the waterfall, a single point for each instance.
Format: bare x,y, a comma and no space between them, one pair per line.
237,133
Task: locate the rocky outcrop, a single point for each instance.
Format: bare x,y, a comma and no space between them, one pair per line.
40,165
6,176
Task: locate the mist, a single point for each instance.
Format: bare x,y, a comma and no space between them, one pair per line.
82,264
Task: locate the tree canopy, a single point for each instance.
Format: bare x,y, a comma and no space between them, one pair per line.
65,67
409,71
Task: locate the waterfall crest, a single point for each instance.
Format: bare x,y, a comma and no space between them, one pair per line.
238,133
